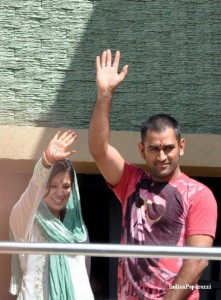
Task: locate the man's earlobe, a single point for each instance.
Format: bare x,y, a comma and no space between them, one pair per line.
141,148
182,147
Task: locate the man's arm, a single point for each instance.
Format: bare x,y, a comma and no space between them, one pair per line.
191,270
108,159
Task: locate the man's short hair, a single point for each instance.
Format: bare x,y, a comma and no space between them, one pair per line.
159,123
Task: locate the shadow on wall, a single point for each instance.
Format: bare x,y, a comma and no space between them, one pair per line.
171,47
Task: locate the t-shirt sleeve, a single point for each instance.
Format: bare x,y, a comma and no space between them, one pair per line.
128,182
202,216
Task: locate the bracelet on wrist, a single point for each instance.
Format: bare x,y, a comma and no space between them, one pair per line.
47,162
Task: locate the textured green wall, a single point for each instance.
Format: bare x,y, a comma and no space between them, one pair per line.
48,50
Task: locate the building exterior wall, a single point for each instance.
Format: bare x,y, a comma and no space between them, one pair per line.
48,50
47,75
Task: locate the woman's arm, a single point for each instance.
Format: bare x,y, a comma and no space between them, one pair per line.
23,213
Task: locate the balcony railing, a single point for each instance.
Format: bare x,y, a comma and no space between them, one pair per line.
112,250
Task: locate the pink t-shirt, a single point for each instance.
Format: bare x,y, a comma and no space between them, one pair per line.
159,213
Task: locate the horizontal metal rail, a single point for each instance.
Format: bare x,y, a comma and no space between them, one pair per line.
112,250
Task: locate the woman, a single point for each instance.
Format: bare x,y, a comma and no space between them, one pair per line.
49,211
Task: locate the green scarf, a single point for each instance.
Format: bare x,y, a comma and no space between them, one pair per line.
72,230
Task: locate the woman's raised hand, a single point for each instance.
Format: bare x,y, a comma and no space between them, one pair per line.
58,148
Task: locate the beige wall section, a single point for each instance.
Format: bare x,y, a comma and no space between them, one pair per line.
20,147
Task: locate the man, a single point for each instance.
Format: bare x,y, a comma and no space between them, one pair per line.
161,207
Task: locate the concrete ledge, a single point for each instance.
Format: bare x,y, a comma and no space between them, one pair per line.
21,147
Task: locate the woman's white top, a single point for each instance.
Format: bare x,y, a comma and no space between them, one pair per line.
34,285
